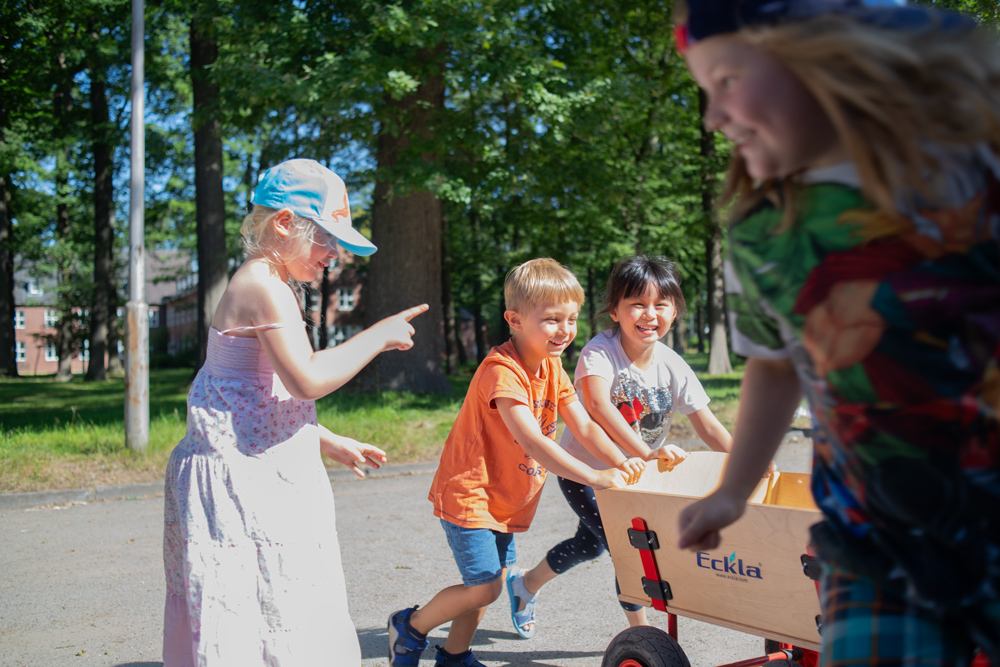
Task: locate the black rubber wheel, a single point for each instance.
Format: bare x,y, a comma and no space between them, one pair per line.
644,646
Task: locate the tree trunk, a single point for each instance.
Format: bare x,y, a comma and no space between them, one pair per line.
308,305
699,321
406,271
452,336
8,341
114,361
64,327
210,205
479,322
680,335
324,308
592,309
103,226
718,359
8,351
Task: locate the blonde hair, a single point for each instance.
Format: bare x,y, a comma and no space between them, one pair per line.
260,238
538,281
893,96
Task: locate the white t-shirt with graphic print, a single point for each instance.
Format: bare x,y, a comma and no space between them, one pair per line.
647,399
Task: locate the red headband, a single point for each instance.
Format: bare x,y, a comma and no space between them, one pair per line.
682,36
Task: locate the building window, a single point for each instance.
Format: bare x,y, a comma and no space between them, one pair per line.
345,298
51,319
20,352
32,287
338,334
19,319
85,351
154,319
50,352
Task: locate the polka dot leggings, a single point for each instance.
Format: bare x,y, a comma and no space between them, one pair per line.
589,541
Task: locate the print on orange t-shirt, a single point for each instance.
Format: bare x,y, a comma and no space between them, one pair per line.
485,479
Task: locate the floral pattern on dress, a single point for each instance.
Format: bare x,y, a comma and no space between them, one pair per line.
251,557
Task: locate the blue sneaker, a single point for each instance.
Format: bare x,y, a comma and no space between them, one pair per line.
405,643
467,659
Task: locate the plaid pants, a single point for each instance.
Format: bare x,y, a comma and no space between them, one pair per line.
865,623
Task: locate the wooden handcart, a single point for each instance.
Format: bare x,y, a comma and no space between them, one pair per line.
760,581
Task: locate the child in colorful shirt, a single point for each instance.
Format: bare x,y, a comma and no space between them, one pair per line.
865,271
495,459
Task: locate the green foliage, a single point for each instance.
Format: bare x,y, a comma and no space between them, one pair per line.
69,435
985,11
65,435
567,130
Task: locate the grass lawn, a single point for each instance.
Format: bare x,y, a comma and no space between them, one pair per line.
71,435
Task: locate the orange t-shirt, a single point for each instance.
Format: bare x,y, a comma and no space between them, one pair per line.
485,479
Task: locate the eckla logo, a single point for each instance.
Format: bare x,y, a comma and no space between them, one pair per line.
730,565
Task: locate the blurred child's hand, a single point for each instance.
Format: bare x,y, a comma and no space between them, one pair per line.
397,330
670,455
350,452
771,469
701,523
632,468
612,478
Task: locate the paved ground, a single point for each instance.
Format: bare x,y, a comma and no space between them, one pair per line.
82,583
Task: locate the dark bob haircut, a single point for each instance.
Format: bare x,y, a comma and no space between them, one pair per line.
630,276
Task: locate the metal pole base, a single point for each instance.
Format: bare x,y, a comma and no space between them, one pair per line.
137,375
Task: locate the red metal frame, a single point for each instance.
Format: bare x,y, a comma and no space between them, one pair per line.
649,564
753,662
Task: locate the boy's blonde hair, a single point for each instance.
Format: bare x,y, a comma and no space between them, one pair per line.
260,238
538,281
893,96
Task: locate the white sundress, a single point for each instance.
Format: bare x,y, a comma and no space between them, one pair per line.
250,550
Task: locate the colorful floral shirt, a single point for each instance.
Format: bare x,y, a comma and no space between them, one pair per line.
893,326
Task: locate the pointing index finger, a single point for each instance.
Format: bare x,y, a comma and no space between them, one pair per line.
413,312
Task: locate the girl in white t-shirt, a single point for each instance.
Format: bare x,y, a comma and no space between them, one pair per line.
632,385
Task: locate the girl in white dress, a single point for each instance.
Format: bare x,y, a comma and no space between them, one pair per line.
632,385
250,548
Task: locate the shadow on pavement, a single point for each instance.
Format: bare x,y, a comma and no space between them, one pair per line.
374,644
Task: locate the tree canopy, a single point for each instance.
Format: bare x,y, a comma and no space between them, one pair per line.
509,130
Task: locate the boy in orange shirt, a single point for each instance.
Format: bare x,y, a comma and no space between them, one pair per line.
494,462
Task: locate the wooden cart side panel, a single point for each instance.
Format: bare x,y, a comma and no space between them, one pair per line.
697,475
754,581
790,489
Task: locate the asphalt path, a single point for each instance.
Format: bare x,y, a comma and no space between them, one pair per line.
81,583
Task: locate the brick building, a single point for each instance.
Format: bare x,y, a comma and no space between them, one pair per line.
172,297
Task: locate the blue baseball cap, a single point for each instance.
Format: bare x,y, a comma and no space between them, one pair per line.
310,190
715,17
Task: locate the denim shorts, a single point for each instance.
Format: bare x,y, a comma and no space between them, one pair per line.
480,553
